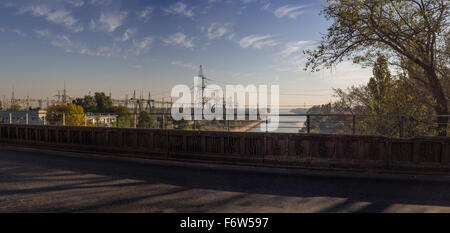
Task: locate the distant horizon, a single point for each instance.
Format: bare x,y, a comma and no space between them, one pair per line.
122,46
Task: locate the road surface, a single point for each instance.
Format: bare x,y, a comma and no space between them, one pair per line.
50,181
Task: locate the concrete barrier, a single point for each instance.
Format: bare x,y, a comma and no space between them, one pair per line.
287,150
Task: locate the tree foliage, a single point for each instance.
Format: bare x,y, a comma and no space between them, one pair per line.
88,103
104,103
181,124
326,124
146,120
15,107
99,103
73,115
124,117
411,32
384,99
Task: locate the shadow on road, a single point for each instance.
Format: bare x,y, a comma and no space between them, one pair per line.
87,177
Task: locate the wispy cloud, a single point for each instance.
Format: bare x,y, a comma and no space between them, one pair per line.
258,41
64,42
57,16
180,9
266,6
101,2
179,39
108,21
75,3
296,46
290,11
186,65
18,32
142,46
42,33
145,13
69,46
130,32
14,30
291,58
216,30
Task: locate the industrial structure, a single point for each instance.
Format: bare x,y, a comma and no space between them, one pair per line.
28,117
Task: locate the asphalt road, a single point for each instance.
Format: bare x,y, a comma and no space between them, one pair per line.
49,181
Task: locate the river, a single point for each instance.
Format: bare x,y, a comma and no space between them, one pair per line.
288,124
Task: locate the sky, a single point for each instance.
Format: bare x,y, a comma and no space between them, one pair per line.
151,46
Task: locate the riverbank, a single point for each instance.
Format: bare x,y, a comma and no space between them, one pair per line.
249,127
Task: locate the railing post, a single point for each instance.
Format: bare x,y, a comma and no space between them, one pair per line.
267,125
163,121
354,125
26,118
168,142
308,124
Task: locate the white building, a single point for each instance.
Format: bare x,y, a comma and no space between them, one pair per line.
31,117
106,120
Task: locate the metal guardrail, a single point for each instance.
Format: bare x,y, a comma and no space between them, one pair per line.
273,149
356,124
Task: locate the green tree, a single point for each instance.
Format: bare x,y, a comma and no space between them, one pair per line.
326,124
380,86
103,103
389,97
146,120
415,31
181,124
73,115
15,107
124,117
88,103
380,99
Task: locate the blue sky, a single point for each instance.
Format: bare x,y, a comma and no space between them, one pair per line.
97,45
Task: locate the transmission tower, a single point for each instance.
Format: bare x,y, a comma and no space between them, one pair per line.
13,98
28,101
126,101
200,75
134,102
150,101
64,96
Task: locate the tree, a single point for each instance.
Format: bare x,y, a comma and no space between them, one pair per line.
326,124
104,103
380,86
385,96
88,103
124,117
379,100
15,107
412,30
1,105
71,113
146,120
181,124
99,103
